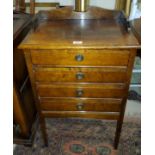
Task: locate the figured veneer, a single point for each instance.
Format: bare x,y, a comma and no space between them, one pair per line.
82,104
82,74
81,90
70,57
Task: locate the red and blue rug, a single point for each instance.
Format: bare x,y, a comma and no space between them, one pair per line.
85,137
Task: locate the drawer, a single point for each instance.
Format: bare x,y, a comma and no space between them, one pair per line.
66,104
81,90
107,74
80,57
82,114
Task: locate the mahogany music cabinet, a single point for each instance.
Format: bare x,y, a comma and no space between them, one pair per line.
80,64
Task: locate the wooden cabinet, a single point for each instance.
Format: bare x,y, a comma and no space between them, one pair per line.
24,110
80,64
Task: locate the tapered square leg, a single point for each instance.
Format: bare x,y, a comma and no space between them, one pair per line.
117,134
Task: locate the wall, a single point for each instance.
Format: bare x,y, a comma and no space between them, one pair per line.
109,4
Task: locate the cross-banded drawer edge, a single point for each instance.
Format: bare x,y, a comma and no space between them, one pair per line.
96,115
75,104
80,57
105,74
81,90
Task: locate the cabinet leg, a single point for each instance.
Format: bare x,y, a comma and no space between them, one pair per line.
43,130
117,134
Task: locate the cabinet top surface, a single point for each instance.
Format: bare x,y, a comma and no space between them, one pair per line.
80,33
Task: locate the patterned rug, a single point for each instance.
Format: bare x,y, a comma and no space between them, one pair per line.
85,137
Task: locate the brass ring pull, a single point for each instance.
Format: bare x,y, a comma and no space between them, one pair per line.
80,106
79,76
79,92
79,57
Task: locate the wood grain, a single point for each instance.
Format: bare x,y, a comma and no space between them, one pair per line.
107,74
108,31
65,104
95,115
90,57
89,90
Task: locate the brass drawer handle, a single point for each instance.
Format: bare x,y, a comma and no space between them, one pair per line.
80,106
79,92
79,57
79,76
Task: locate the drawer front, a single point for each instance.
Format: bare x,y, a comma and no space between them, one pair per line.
80,57
104,105
81,114
80,74
83,90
